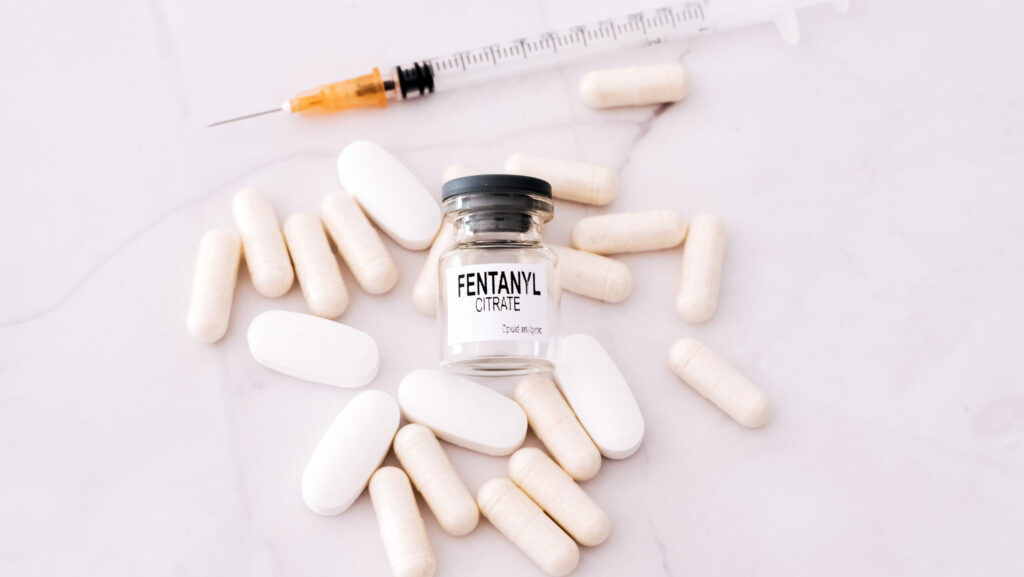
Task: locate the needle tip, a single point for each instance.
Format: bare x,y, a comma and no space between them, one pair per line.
247,116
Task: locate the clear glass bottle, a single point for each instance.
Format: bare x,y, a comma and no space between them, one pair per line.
499,291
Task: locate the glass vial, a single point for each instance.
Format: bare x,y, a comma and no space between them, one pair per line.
498,288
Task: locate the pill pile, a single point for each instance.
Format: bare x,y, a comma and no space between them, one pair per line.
582,412
590,412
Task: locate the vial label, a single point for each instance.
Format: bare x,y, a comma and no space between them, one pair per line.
497,302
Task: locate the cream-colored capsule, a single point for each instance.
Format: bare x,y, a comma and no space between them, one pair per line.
457,170
629,231
315,265
635,85
557,427
401,526
424,294
563,500
358,243
266,255
592,275
428,466
213,285
701,273
718,382
569,179
521,521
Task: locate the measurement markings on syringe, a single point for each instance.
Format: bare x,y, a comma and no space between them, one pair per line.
686,19
644,27
639,18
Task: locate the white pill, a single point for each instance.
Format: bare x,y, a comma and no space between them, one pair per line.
636,85
522,522
430,470
313,349
401,526
265,253
315,265
593,275
358,243
424,294
390,194
569,179
560,497
599,395
701,273
629,231
349,452
462,412
557,427
712,377
457,170
213,285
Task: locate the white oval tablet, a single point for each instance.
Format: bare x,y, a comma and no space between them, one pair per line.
462,412
391,195
313,349
349,452
599,395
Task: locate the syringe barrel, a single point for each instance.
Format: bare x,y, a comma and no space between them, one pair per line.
684,20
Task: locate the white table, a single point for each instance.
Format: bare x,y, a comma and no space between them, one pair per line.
872,184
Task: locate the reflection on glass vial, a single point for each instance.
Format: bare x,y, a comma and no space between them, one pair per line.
499,290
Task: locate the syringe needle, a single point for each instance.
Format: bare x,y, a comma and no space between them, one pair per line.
247,116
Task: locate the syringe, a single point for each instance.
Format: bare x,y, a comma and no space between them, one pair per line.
423,77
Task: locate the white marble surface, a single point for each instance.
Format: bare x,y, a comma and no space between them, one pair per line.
872,180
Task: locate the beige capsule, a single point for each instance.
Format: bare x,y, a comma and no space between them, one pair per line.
358,243
457,170
213,285
635,85
718,382
428,466
569,179
701,270
593,275
629,231
560,497
522,522
425,292
315,265
401,526
266,255
557,427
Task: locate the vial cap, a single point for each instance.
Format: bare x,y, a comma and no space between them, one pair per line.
495,183
504,192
